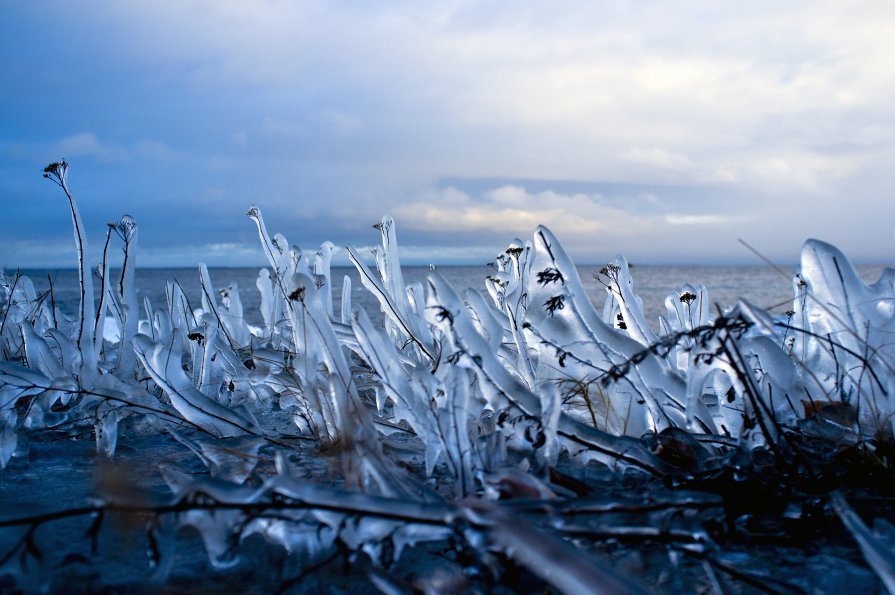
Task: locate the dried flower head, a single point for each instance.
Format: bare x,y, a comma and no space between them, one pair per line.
610,271
55,172
125,227
620,321
557,302
443,314
550,275
57,168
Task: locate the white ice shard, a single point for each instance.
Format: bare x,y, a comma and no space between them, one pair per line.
233,316
842,332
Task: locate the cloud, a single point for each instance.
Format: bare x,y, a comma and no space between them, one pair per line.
659,158
282,127
336,110
339,124
604,76
155,150
86,144
698,219
578,218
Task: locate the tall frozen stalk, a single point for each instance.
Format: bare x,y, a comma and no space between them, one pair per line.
57,173
126,228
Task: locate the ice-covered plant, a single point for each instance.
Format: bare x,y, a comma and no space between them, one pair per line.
57,172
457,401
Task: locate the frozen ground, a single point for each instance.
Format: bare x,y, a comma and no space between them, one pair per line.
757,534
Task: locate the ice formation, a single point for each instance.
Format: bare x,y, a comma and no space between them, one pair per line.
488,390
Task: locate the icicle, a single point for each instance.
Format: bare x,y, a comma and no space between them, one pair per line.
233,317
218,528
106,427
346,300
231,459
268,303
322,268
8,433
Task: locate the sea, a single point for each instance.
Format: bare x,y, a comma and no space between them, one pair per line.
765,286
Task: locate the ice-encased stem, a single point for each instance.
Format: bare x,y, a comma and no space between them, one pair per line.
57,173
100,324
390,305
208,301
127,291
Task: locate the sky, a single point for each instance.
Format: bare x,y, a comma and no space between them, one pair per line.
663,131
